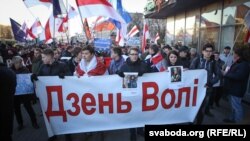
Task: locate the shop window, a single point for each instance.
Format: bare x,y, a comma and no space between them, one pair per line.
210,21
180,28
169,37
192,28
233,28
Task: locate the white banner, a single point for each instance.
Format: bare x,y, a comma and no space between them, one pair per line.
74,105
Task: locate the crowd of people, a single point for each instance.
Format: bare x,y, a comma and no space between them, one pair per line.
227,73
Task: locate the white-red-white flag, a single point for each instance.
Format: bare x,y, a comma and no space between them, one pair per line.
36,29
157,61
133,32
32,3
51,29
91,8
145,36
157,37
64,24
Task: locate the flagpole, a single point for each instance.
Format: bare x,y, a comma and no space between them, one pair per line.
238,34
82,22
67,32
54,31
35,17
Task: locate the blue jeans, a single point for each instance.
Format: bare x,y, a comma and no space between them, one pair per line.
237,109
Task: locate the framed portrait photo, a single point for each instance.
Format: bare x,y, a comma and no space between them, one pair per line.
176,74
130,80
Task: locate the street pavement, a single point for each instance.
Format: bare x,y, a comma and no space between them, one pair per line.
31,134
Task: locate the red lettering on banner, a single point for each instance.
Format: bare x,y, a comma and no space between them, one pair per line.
74,104
163,99
181,91
147,96
155,100
150,100
120,104
86,104
61,112
195,92
103,103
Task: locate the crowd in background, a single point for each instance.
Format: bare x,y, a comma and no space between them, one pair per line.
228,71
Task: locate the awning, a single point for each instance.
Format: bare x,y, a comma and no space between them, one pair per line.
179,7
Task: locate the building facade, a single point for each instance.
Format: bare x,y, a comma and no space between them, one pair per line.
195,23
219,22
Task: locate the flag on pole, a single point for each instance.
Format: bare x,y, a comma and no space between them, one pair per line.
27,31
63,26
91,8
25,28
145,36
51,26
125,15
157,37
36,29
87,30
32,3
157,61
105,25
18,33
121,27
133,32
58,8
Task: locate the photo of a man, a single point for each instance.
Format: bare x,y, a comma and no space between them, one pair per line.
130,80
176,73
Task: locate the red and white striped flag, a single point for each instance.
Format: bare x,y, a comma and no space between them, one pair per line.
87,29
157,37
91,8
158,62
36,28
49,29
64,26
145,36
133,32
32,3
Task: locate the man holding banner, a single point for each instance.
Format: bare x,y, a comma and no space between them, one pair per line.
50,67
89,64
213,76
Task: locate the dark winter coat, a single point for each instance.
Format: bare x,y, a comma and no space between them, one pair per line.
7,92
137,66
236,78
55,69
213,71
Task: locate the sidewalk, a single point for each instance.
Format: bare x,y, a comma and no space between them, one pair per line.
31,134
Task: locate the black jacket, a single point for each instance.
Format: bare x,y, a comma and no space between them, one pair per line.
137,66
56,68
213,70
236,78
72,65
7,92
